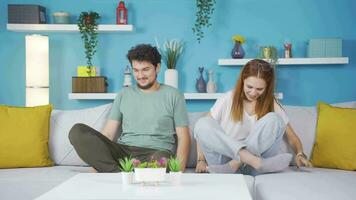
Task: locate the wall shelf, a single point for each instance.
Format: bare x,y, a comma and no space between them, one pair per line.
110,96
65,27
289,61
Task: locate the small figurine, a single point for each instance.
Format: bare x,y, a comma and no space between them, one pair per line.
127,77
287,50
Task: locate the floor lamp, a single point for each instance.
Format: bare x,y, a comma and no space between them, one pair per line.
37,70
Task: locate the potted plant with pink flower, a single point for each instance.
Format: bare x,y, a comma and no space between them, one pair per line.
153,171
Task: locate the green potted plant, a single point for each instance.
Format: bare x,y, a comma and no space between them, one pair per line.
88,80
171,52
174,165
205,8
153,171
175,172
88,28
270,54
126,166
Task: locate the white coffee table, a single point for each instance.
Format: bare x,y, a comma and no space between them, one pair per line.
193,186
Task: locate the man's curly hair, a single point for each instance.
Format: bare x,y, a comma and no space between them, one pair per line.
144,52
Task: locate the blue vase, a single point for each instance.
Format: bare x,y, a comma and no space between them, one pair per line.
237,51
201,84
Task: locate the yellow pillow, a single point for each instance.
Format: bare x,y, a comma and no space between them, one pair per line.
335,145
24,136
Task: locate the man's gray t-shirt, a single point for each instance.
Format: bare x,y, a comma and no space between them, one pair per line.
149,119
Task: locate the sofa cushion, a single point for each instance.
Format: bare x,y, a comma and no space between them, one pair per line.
62,152
335,145
311,184
193,118
303,121
24,136
29,183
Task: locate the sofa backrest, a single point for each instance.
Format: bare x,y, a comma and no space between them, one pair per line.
61,151
302,119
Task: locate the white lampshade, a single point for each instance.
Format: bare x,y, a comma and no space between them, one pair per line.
37,70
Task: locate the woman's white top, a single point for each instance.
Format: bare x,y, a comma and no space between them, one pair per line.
240,130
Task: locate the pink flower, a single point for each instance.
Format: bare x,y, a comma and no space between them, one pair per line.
162,162
136,162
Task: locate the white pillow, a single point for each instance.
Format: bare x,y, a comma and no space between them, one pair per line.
61,150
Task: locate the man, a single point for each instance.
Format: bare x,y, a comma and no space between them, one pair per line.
150,114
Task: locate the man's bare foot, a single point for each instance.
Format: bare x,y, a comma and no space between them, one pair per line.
92,170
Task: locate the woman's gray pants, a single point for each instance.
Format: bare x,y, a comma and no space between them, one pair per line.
219,148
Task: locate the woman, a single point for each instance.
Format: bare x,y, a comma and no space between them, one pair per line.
245,128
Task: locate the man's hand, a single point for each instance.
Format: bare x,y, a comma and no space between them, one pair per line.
183,146
201,166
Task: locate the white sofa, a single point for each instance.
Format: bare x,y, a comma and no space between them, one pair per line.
312,183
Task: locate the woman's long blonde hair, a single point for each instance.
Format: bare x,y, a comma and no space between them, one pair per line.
265,103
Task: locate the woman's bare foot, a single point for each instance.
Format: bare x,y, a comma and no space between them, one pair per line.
227,168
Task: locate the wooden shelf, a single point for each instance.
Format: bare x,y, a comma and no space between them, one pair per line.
188,96
65,27
289,61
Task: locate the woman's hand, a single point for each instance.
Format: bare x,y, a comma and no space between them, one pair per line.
302,161
201,166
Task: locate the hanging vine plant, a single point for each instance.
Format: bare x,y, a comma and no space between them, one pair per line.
88,28
205,9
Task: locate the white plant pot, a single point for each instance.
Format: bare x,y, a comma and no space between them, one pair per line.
127,178
147,175
175,178
171,77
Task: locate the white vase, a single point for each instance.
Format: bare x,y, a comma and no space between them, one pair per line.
147,175
175,178
211,85
171,77
127,178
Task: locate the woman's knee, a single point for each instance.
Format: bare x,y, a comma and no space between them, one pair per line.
274,118
201,126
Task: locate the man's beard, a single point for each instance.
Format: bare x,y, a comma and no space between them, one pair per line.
148,86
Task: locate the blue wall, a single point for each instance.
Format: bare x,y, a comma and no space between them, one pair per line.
261,22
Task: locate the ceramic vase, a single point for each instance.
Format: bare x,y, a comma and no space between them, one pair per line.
237,51
201,84
171,78
211,86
